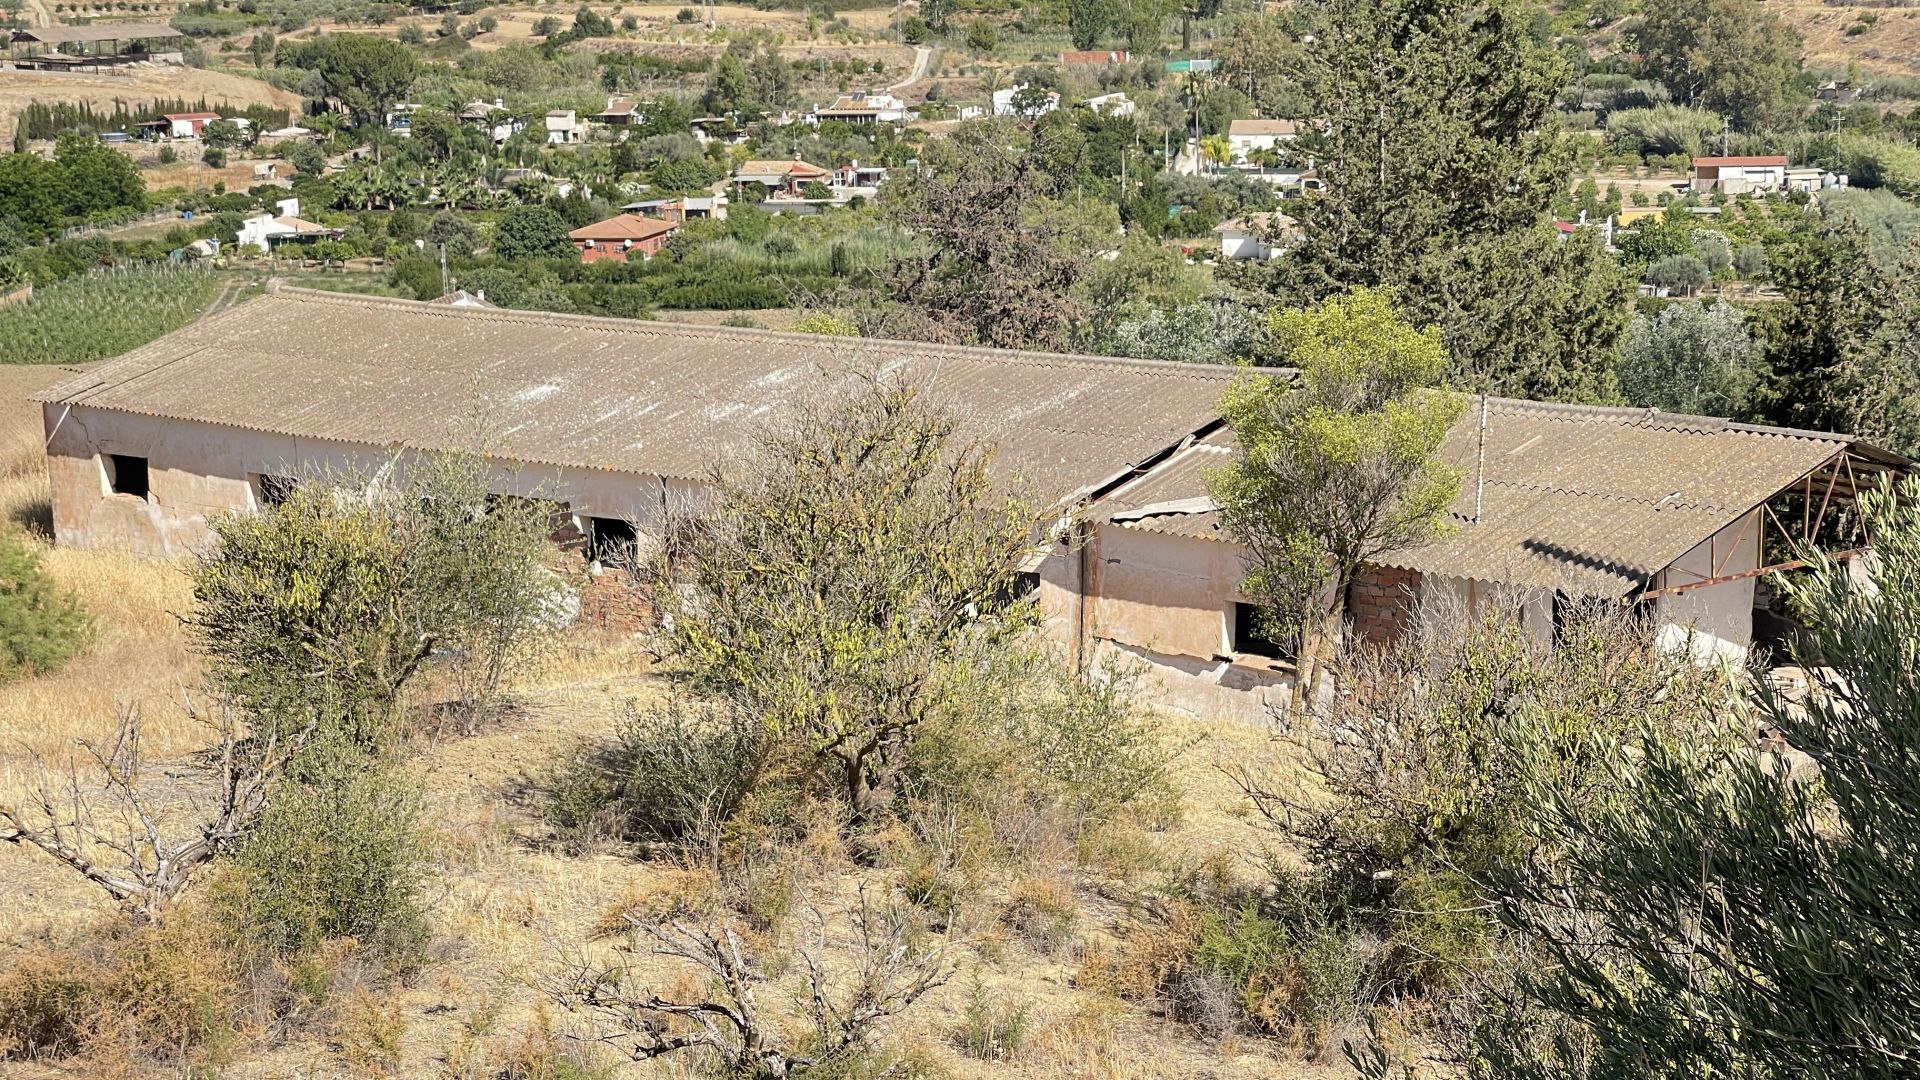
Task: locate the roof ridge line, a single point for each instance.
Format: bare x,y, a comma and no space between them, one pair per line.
1208,371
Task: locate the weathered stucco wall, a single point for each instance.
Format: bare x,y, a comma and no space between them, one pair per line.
197,471
1171,594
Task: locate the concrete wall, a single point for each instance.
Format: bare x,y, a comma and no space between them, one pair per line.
197,471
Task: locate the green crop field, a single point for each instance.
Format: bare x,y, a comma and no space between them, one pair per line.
103,314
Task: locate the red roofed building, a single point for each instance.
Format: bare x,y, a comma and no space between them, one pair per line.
188,125
1739,175
618,237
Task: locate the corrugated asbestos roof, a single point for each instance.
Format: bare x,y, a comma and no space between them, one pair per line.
652,398
1588,499
60,35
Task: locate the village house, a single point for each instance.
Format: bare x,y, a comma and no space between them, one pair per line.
264,232
1114,104
1248,137
682,208
564,128
620,113
1256,236
618,422
492,118
189,125
779,179
855,177
621,236
1739,175
725,130
1004,105
864,107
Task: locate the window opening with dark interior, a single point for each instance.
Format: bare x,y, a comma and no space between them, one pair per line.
612,541
1252,634
273,490
127,475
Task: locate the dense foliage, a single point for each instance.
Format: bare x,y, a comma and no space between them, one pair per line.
41,625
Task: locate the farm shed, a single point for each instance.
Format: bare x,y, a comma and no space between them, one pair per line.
620,420
1683,515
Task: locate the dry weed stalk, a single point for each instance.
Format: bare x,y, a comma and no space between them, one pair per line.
71,818
890,974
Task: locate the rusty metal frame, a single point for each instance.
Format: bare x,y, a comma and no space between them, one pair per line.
1810,523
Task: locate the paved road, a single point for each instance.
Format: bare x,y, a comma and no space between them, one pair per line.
922,59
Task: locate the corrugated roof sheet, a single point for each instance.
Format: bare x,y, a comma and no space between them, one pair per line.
1593,500
652,398
60,35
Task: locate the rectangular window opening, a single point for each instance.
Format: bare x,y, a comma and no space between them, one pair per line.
1252,635
270,490
127,475
612,542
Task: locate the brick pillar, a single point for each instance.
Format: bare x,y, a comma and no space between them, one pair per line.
1380,603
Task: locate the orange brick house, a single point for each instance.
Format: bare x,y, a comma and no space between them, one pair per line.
620,236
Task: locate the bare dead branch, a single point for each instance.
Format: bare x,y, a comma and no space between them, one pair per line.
100,806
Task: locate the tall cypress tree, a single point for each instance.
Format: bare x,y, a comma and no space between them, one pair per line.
1439,157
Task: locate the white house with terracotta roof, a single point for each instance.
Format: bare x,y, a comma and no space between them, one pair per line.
1248,137
263,232
1740,175
864,107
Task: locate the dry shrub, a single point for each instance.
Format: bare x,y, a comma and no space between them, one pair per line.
1042,910
1084,1043
369,1030
673,893
123,997
1139,964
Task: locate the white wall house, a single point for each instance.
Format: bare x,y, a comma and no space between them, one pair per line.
564,127
1247,137
1740,175
1003,102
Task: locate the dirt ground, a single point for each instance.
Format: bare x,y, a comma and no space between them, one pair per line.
1889,42
508,906
142,84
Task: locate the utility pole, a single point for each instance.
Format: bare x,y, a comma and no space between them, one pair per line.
443,268
1726,125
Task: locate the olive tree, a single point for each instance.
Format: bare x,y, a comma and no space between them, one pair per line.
1725,914
847,566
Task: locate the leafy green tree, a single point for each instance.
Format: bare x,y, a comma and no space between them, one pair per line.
1723,915
728,88
223,134
1729,56
41,625
982,37
1690,358
1663,129
1087,21
1844,353
1683,274
532,232
1340,468
366,74
96,177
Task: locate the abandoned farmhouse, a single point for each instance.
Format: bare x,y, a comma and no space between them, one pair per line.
617,422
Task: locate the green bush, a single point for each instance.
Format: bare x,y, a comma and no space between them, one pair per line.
677,771
340,853
40,624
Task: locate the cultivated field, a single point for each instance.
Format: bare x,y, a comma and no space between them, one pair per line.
507,904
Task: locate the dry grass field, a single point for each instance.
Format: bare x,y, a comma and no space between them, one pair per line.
508,905
141,84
